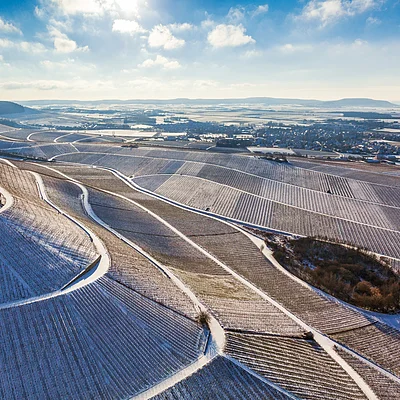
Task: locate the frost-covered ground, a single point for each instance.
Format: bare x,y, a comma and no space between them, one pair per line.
110,336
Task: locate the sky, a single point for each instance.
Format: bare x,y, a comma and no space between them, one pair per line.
161,49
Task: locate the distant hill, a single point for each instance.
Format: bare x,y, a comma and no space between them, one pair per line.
12,110
7,107
267,101
360,103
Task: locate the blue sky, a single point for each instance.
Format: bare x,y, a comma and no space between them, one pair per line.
92,49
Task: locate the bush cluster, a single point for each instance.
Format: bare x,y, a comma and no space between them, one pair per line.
347,273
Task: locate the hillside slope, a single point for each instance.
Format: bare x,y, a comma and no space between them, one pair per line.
7,107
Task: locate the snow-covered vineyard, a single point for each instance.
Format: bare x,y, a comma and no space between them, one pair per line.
262,193
136,279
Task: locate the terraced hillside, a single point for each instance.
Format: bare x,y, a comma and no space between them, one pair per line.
308,372
222,379
102,341
172,303
276,196
234,250
40,250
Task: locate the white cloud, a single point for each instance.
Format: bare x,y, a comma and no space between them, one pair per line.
181,27
129,71
236,14
130,27
65,26
72,7
229,36
205,84
6,43
40,85
40,12
126,7
287,48
69,65
360,43
68,68
207,23
161,36
49,64
252,54
3,63
27,47
263,9
8,27
360,6
372,21
329,11
98,7
291,48
62,43
324,11
160,61
32,47
161,88
58,86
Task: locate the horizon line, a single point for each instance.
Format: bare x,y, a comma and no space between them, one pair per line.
208,98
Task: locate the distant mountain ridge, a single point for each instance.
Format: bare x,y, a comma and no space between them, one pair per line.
267,101
11,109
359,102
8,107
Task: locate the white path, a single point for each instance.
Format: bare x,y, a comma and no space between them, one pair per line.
325,342
6,194
246,223
174,379
391,320
29,138
9,200
62,136
99,270
8,162
217,332
104,264
217,338
10,139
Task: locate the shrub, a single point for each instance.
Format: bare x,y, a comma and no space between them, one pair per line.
348,273
363,288
203,318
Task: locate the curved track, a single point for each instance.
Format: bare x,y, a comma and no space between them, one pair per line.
217,333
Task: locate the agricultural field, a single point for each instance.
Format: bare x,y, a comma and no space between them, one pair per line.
144,272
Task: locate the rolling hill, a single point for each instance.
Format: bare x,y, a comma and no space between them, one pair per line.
7,107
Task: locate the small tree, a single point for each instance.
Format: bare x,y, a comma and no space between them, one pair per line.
203,318
308,335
